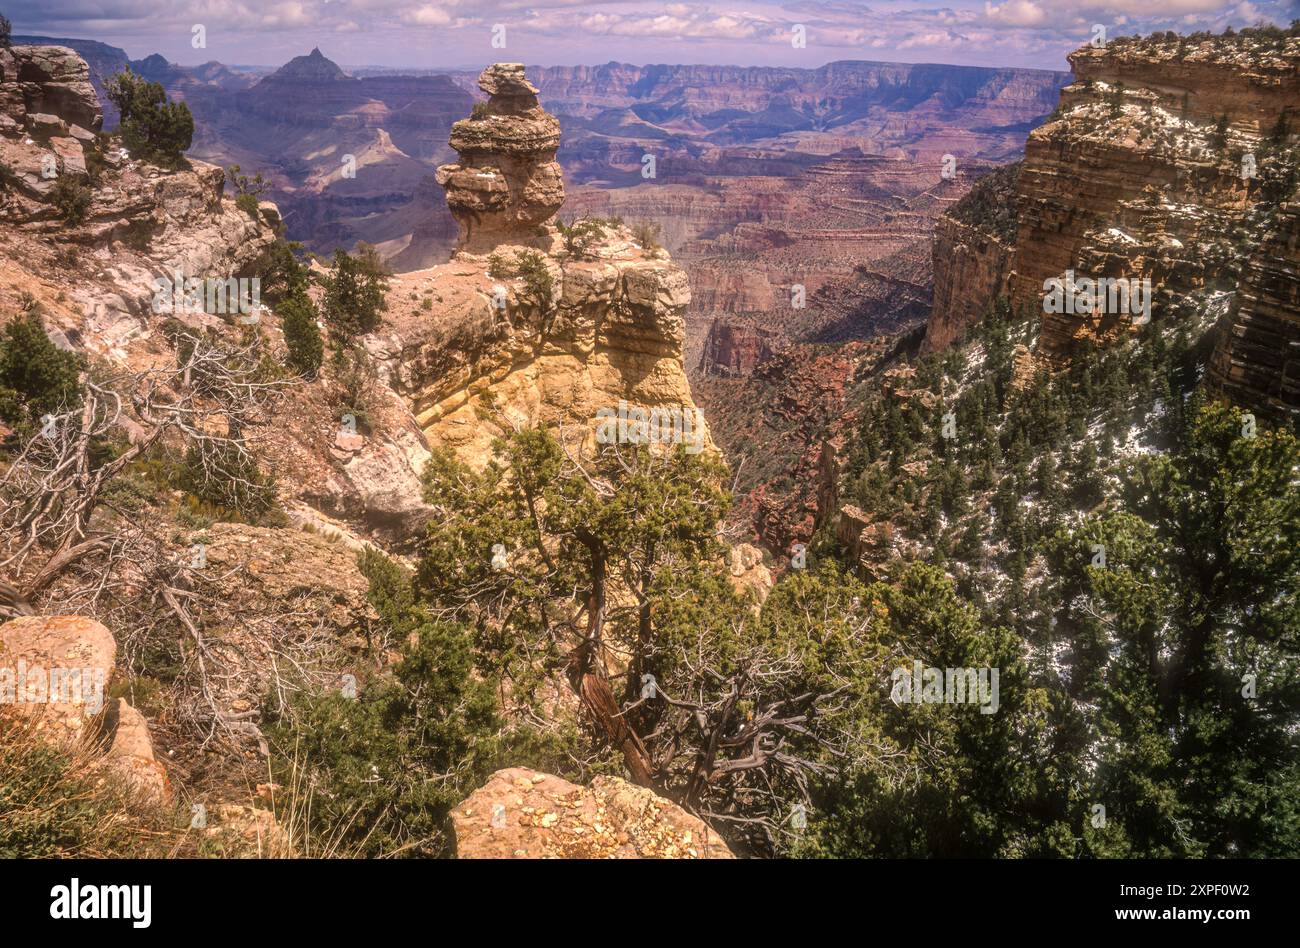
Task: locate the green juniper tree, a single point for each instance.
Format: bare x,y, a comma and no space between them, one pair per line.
355,292
36,376
152,128
1194,622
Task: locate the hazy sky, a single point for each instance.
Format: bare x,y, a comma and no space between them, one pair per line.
459,33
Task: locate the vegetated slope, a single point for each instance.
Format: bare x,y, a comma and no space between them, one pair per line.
1126,515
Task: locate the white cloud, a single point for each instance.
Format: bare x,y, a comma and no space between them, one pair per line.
426,16
1016,13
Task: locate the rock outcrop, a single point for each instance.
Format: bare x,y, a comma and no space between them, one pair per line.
1143,173
130,754
974,256
137,221
736,349
508,183
37,82
523,814
520,329
1256,361
57,670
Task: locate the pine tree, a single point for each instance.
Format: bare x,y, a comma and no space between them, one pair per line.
152,128
355,292
301,335
36,376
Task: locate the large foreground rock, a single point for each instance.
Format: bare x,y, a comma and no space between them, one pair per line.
56,669
523,814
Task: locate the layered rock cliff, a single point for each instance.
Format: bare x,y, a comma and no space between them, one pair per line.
88,228
1155,167
1172,160
974,254
522,327
1257,358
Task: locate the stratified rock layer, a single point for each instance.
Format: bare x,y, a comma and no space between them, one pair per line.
48,80
1257,360
508,182
1141,175
971,268
479,347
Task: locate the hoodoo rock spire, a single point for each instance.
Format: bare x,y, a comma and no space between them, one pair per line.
507,186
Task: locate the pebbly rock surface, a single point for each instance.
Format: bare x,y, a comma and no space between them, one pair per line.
522,814
57,670
80,651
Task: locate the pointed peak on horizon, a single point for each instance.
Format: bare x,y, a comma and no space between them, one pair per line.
315,66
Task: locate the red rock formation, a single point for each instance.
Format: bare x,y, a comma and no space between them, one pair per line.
973,255
971,267
733,349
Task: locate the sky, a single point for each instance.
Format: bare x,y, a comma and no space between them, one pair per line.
432,34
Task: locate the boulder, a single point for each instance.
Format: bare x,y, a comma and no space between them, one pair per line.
130,753
57,81
72,160
43,125
523,814
57,669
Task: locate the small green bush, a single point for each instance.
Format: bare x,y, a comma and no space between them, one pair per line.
355,378
54,804
580,235
529,266
248,204
36,376
355,292
219,474
72,198
302,335
646,233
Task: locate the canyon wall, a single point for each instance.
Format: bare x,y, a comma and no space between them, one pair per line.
971,267
974,254
1143,173
1257,359
1170,159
